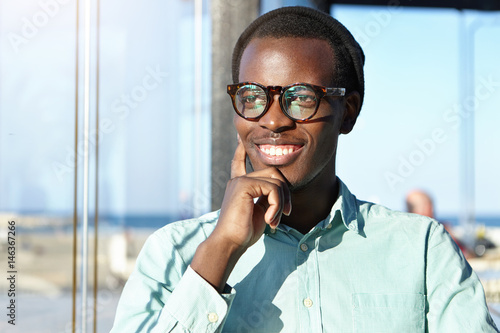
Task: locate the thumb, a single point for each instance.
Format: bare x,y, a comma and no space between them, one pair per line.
238,166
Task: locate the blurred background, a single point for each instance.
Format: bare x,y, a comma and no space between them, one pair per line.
146,80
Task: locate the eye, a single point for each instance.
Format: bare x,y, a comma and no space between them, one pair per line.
305,100
300,101
248,99
251,100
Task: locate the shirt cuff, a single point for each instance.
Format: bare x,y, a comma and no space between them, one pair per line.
196,305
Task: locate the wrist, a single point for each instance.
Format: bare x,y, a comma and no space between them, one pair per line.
215,259
219,243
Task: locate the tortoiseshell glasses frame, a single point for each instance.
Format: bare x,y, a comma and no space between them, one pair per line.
298,101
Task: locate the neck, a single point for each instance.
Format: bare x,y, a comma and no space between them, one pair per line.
311,205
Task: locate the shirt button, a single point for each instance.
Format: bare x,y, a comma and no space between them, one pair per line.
273,231
213,317
308,303
304,247
329,226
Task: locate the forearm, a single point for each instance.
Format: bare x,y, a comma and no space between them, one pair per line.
194,306
215,259
163,294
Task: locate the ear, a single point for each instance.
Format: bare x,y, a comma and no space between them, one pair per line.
351,112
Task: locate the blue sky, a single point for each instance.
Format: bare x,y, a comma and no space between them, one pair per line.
406,136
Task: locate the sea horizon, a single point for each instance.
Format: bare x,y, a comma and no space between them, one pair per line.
64,222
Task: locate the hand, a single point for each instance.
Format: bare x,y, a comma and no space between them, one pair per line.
242,221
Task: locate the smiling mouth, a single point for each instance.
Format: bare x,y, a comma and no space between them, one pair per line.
278,150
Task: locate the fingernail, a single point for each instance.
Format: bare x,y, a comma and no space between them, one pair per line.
275,222
289,210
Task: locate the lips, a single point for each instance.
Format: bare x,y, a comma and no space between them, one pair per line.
278,155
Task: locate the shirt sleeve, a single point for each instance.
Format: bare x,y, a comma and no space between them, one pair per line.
455,296
165,295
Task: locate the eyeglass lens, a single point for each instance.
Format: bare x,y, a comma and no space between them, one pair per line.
251,100
298,101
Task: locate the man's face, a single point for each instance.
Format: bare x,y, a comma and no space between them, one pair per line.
303,152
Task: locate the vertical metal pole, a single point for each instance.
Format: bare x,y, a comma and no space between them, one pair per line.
96,181
75,179
467,125
198,58
229,19
86,137
467,104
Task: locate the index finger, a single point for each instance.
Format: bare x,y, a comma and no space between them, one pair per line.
238,166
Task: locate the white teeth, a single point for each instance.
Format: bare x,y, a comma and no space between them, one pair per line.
277,151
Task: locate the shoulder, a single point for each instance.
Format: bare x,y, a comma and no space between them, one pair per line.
374,215
416,233
371,216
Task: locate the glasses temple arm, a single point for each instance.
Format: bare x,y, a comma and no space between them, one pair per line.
335,92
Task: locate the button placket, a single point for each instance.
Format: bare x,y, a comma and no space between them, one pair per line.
308,282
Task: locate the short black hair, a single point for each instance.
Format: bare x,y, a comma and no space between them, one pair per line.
304,22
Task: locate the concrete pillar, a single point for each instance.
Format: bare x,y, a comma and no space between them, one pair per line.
229,19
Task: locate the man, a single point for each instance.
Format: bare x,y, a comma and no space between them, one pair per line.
419,202
292,250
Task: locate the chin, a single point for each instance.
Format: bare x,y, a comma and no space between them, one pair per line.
298,185
296,182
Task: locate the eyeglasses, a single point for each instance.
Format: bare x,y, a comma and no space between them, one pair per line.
298,101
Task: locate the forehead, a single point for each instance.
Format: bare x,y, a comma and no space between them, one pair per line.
284,61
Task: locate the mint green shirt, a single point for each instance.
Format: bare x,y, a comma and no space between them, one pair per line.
364,268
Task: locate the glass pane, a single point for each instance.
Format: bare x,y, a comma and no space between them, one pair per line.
154,149
37,121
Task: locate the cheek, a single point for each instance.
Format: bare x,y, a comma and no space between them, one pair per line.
239,124
326,133
326,142
243,127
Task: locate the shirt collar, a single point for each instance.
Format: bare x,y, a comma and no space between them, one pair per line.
345,208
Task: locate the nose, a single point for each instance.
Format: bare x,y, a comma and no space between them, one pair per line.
274,119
